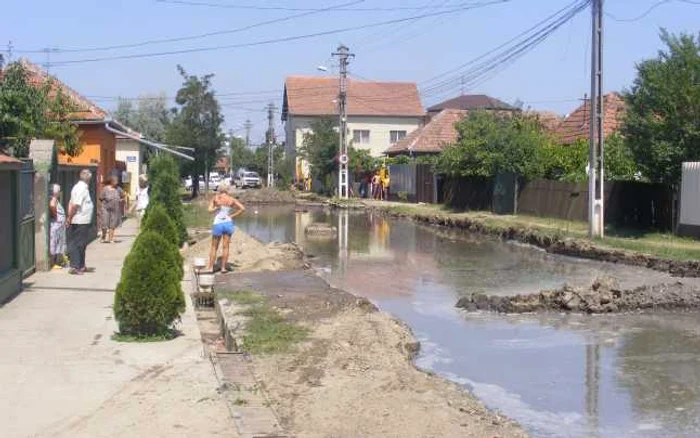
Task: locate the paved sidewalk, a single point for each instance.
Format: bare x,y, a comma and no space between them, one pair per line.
62,375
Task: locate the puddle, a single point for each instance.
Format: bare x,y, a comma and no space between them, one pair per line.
558,375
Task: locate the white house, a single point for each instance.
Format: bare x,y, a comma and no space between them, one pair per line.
379,113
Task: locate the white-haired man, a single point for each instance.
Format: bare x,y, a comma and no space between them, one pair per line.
79,221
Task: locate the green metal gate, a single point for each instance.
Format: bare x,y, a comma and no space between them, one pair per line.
27,262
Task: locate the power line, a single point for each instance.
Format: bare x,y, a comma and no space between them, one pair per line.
288,8
195,37
648,11
268,41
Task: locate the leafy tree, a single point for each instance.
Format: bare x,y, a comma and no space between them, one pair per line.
150,117
159,222
360,160
164,191
399,159
320,149
30,111
489,143
240,155
197,123
149,298
662,125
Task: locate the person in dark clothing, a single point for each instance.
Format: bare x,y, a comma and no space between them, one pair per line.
79,221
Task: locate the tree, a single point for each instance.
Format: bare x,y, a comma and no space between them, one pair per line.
159,222
149,298
30,111
489,143
197,124
164,191
320,149
241,156
150,117
662,124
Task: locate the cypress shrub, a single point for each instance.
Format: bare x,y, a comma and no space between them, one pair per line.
158,222
164,190
149,298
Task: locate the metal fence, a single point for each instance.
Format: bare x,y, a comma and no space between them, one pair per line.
416,181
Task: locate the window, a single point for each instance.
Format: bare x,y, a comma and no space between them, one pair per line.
396,136
360,136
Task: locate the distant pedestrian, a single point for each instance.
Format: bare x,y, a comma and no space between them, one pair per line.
57,229
110,205
223,227
80,211
142,198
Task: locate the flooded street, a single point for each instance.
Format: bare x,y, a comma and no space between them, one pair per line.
558,375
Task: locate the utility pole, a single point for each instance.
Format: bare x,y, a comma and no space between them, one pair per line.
248,126
271,108
343,54
596,176
230,152
9,52
48,51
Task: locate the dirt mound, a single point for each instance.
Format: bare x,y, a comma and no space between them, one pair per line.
265,196
603,296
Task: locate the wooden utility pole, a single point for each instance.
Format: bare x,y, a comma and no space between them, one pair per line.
248,126
343,54
596,176
271,144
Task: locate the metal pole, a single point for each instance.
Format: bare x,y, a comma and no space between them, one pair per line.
595,170
343,54
247,126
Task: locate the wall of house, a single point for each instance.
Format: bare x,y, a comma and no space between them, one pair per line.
129,151
379,128
99,147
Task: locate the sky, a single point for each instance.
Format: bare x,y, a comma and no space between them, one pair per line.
554,76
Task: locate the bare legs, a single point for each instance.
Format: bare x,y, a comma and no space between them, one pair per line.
110,235
225,242
224,252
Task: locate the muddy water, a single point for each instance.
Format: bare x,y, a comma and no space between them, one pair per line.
558,375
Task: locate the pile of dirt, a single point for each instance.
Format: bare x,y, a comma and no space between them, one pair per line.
603,296
266,196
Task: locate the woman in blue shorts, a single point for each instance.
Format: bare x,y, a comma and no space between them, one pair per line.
223,205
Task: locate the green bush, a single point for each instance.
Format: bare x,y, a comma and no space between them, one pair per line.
164,190
159,222
149,298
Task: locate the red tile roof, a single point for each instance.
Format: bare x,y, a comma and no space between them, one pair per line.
549,120
6,159
87,110
433,137
317,96
472,102
577,125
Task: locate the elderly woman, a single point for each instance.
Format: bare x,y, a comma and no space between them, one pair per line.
110,206
57,229
142,196
223,227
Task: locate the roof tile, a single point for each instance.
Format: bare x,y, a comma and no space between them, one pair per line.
433,137
577,125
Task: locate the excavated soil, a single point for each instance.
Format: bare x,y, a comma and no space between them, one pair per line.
603,296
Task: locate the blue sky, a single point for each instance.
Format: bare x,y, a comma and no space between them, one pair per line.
551,77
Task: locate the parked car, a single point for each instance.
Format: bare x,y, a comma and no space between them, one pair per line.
214,181
248,179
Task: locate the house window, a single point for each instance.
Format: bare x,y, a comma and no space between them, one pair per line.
396,136
360,136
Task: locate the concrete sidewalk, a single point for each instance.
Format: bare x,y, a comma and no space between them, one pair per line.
62,375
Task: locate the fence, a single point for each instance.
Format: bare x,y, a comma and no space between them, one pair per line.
628,204
417,181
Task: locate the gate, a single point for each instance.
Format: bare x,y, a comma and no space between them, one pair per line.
27,262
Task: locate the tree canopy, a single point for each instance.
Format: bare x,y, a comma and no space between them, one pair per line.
662,126
29,111
320,148
150,116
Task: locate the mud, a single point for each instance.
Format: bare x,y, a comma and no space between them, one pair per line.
555,243
603,296
265,196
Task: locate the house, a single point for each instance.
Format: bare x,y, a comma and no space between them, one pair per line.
431,138
129,151
577,125
10,271
379,113
471,102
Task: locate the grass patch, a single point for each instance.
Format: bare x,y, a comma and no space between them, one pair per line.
240,402
242,297
268,332
160,337
196,215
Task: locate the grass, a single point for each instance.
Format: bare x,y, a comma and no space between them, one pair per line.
160,337
665,245
240,402
267,331
196,215
242,297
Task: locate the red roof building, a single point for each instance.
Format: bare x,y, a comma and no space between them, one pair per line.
433,137
577,125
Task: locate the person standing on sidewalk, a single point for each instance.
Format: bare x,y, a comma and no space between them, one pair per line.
142,197
80,210
57,229
110,201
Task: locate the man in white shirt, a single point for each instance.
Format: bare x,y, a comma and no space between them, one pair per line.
79,221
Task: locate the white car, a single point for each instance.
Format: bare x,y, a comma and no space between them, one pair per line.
248,179
214,181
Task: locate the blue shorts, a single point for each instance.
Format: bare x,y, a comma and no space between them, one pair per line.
225,228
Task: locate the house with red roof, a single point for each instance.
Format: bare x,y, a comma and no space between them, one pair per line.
433,137
379,113
577,125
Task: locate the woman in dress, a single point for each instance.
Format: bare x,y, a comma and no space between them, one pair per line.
223,227
142,196
57,229
111,214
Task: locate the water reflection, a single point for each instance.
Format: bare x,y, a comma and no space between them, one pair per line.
559,375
